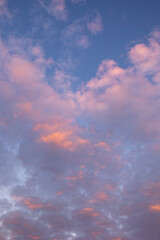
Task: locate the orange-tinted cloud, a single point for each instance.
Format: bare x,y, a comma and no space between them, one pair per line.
103,145
89,212
59,138
33,206
100,197
59,193
60,133
117,239
80,176
34,237
95,234
31,203
155,208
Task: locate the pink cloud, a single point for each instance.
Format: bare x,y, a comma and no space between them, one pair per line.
146,58
127,91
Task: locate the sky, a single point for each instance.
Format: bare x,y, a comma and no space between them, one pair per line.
79,120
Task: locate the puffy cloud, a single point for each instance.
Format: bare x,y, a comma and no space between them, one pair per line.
146,57
126,96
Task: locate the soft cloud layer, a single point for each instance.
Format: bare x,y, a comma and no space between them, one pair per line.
79,164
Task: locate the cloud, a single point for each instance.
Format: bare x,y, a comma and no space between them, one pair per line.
60,180
3,9
146,57
75,34
79,1
56,8
128,90
94,24
62,81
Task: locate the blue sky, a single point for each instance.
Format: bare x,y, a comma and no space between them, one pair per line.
79,120
122,23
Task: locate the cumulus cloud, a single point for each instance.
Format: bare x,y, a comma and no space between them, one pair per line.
129,90
60,180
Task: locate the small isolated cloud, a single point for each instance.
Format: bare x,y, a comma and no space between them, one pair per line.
56,8
94,24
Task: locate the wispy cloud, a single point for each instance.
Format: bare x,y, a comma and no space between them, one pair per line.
94,24
56,8
75,34
79,1
3,9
